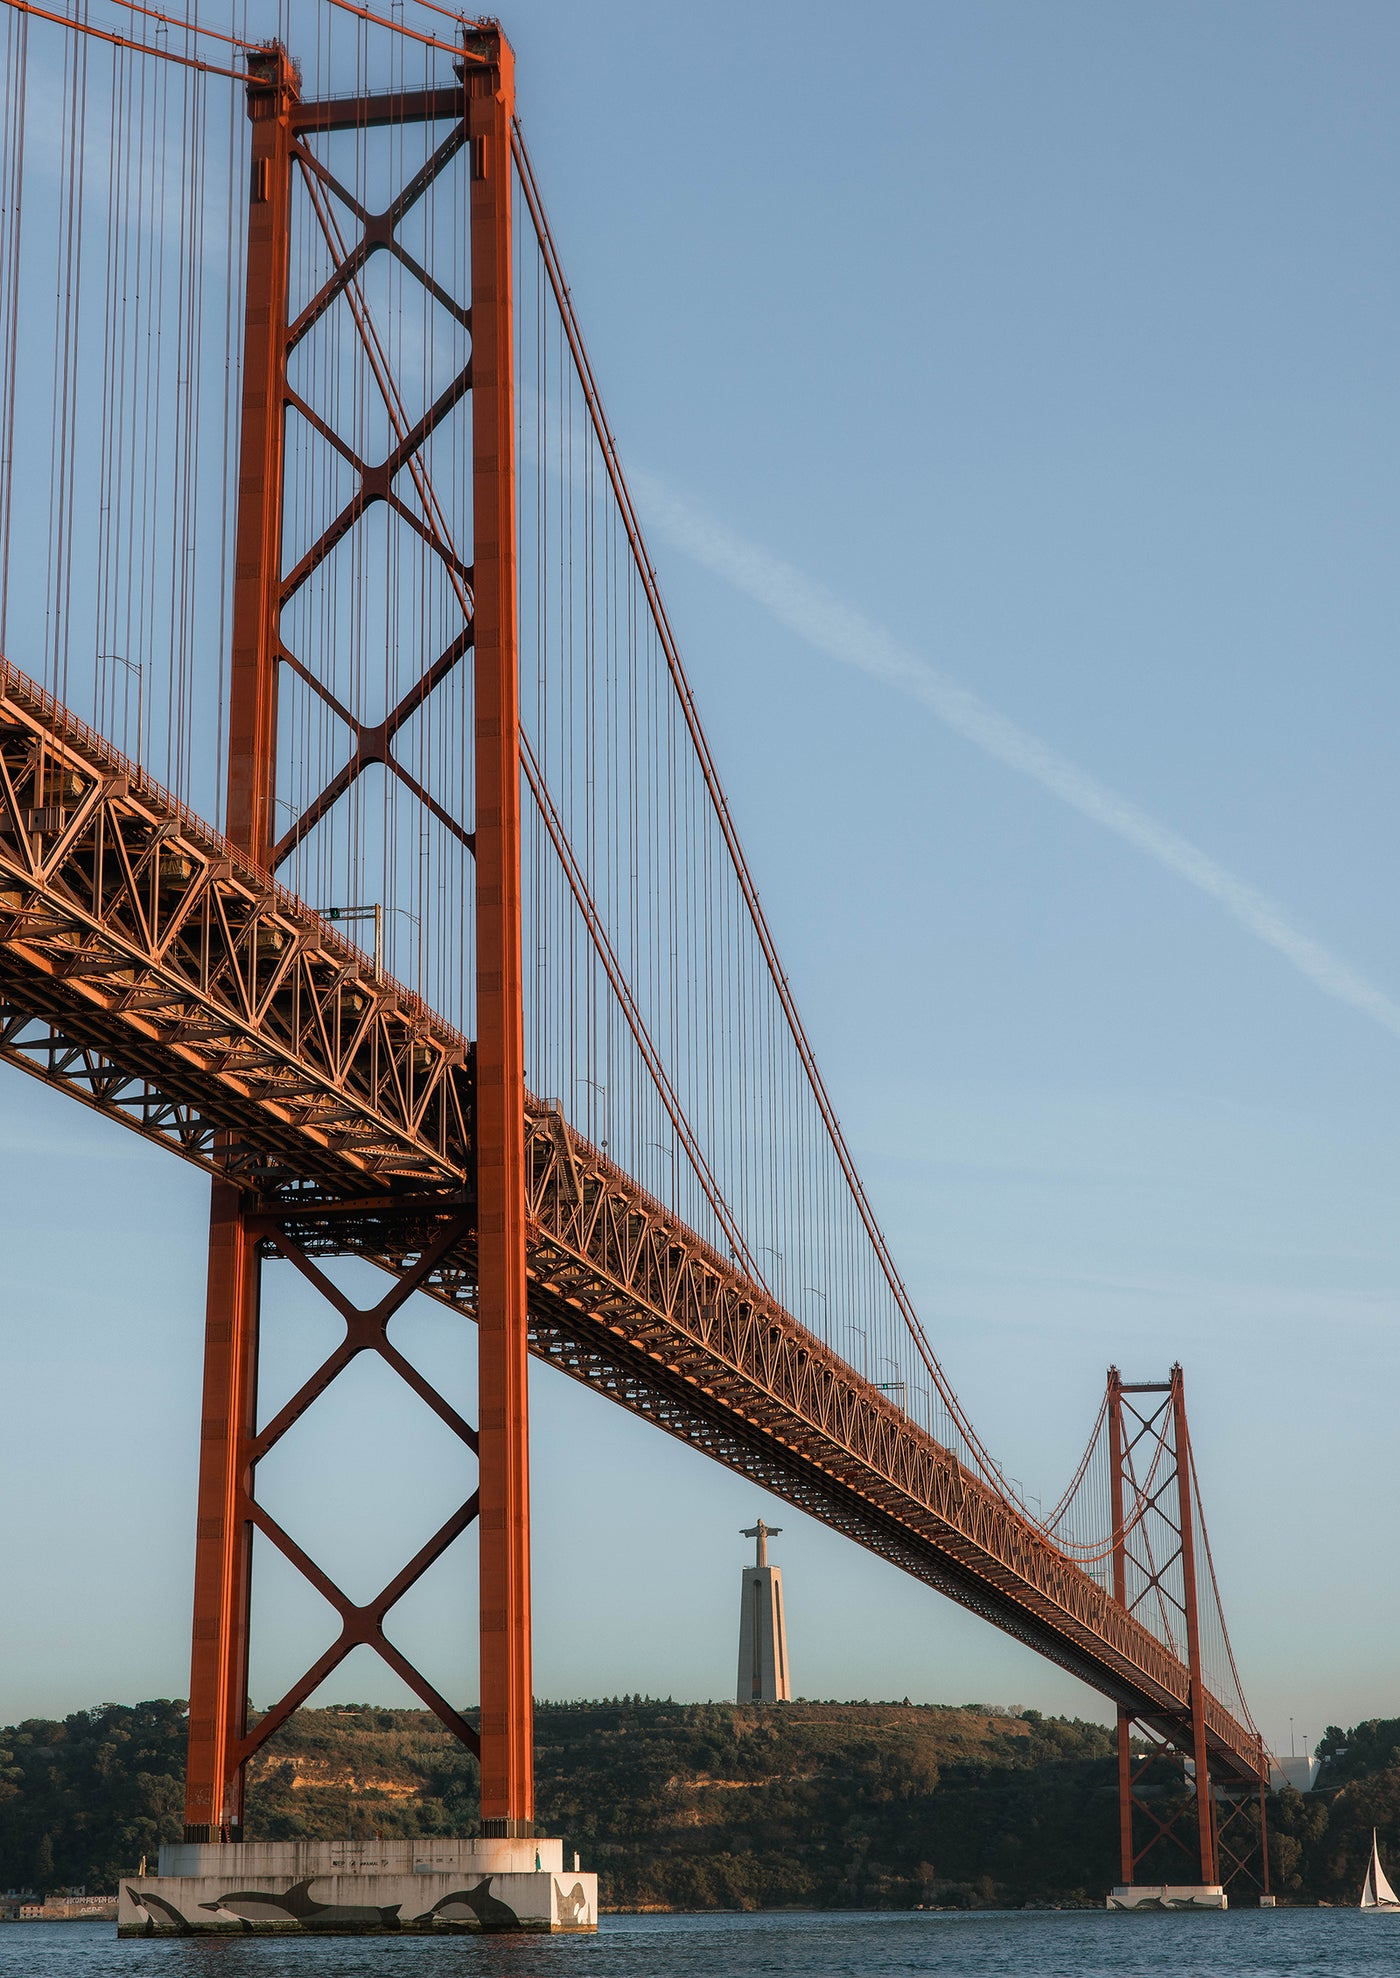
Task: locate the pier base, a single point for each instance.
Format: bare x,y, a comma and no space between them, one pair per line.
357,1888
1168,1895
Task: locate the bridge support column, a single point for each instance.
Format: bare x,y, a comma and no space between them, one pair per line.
224,1535
223,1546
507,1720
1142,1435
219,1740
1200,1757
252,745
1154,1559
1127,1860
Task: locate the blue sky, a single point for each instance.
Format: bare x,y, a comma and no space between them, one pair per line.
1058,344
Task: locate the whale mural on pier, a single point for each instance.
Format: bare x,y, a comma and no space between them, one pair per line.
297,1902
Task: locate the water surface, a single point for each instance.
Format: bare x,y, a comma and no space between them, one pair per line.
1298,1943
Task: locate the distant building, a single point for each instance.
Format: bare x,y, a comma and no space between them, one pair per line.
65,1909
1300,1773
763,1659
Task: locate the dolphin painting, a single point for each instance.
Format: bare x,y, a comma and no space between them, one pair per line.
490,1913
151,1903
262,1906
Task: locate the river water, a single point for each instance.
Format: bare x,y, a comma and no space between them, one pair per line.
1298,1943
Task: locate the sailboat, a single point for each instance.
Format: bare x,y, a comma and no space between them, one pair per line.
1376,1892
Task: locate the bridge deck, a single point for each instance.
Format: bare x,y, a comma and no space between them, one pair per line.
154,974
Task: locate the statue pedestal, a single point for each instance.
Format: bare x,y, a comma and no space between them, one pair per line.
357,1888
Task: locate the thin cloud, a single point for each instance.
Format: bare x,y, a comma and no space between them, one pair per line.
836,628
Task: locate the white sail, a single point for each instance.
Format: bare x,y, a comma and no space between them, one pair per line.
1376,1892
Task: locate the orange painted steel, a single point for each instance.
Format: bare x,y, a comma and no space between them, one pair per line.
252,746
485,107
1151,1476
507,1730
155,973
481,111
224,1545
224,1535
1186,1524
1126,1858
361,1622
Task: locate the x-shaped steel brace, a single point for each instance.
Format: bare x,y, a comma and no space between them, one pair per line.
1164,1829
1231,1813
376,480
380,230
373,743
366,1330
1146,1499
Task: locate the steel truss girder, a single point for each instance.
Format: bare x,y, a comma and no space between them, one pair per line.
148,968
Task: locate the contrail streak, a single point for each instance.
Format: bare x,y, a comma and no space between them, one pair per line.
825,621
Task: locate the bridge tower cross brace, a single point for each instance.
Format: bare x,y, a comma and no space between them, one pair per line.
219,1742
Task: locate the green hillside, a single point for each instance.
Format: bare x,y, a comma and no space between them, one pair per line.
688,1805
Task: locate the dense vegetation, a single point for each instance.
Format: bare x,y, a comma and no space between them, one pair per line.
1322,1840
689,1805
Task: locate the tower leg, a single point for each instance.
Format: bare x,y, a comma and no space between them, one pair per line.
1125,1795
224,1541
224,1538
1205,1829
507,1709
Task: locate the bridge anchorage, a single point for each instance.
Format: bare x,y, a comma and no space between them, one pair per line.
427,494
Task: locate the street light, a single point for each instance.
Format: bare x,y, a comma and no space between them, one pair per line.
375,913
768,1249
137,667
895,1386
602,1091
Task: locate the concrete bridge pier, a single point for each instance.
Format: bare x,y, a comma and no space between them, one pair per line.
359,1888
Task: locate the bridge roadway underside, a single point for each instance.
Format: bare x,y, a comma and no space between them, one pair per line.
150,972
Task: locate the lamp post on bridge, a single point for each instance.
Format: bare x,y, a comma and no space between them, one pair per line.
375,913
602,1092
895,1388
137,667
769,1251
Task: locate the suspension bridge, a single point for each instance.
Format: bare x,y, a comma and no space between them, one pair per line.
313,524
